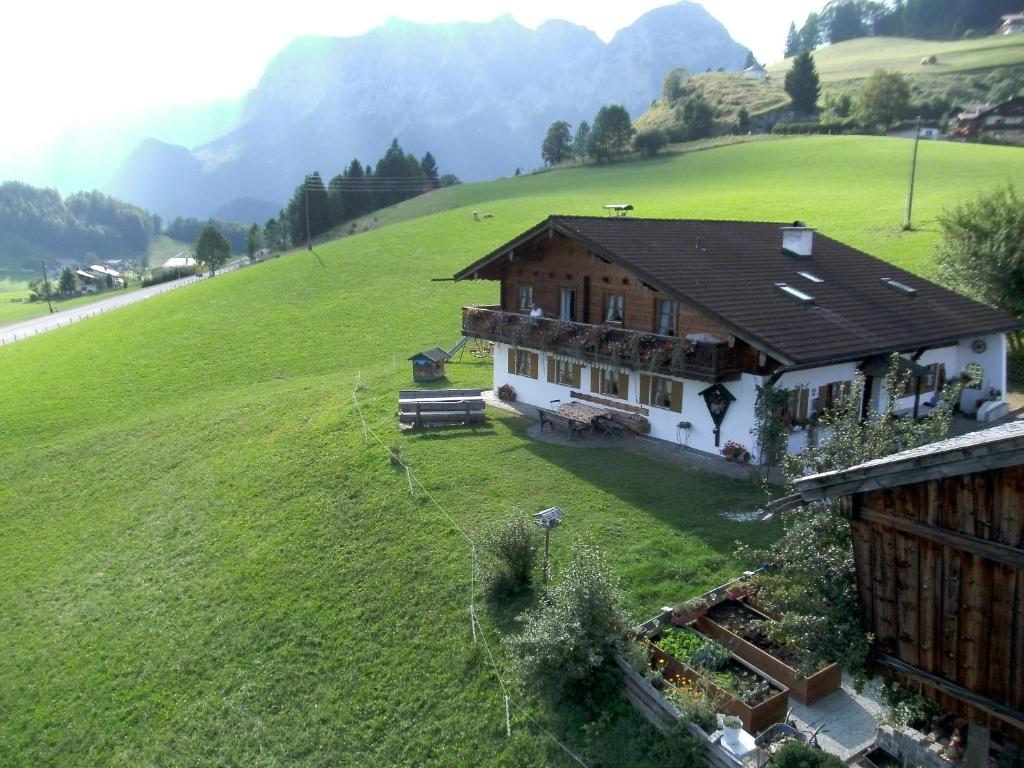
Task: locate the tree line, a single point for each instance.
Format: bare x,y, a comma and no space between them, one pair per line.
356,191
39,223
842,20
186,229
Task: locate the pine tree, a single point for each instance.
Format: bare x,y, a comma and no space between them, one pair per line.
792,41
581,141
429,166
802,83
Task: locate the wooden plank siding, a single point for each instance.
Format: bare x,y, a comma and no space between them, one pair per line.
940,571
556,263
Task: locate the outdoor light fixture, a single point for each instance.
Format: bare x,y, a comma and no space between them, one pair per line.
547,519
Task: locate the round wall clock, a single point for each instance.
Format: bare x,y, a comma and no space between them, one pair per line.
979,346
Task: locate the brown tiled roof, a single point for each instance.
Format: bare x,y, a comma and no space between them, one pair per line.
729,271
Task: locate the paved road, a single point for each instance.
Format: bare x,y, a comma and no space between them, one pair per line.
25,328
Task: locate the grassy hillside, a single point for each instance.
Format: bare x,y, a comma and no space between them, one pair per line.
856,59
985,68
205,560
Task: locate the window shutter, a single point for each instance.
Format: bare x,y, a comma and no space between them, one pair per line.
534,364
677,396
577,371
802,408
624,386
552,369
645,389
512,359
595,379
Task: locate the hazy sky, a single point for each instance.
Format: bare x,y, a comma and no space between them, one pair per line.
68,63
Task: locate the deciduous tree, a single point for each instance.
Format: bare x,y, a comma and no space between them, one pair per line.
883,99
612,132
557,146
212,249
982,250
252,242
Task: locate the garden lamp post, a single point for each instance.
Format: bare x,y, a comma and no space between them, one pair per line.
547,520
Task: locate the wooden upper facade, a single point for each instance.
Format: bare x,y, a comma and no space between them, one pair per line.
938,538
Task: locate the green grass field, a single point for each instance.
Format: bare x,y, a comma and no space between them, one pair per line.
206,562
856,59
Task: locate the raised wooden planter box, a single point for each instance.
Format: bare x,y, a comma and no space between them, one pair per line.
755,718
805,690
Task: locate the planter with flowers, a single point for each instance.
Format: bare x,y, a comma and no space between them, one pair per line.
736,452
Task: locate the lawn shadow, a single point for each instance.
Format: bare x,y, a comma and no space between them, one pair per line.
691,500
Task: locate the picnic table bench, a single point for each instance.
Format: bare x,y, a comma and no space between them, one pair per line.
571,425
438,407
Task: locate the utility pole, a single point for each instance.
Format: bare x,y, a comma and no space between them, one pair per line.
46,286
913,169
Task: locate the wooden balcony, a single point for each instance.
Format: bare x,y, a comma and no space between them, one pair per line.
639,350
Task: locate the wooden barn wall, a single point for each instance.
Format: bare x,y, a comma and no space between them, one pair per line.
954,613
550,264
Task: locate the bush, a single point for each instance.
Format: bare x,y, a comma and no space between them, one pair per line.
794,754
166,275
650,143
568,639
513,546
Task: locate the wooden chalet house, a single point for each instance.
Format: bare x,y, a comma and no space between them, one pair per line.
1003,122
938,539
681,321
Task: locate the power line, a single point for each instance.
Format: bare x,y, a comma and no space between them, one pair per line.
509,700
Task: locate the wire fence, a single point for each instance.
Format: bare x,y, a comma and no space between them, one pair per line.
479,636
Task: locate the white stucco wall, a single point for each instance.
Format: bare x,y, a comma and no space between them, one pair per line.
736,427
993,363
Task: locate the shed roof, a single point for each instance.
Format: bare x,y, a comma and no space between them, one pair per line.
994,448
736,272
435,355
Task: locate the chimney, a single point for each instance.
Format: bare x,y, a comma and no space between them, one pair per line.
797,240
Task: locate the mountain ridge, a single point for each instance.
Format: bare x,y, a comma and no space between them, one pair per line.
478,96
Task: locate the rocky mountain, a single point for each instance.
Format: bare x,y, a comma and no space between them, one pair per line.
478,96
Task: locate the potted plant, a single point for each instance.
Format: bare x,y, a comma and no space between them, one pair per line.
732,726
506,393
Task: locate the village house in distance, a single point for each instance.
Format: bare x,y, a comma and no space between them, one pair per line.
681,321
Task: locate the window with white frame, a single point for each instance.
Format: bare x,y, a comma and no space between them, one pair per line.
523,363
613,383
567,373
666,317
525,297
614,307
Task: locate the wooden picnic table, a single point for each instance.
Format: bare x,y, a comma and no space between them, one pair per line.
591,416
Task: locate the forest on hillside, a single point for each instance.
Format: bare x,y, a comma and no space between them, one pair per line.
842,20
37,223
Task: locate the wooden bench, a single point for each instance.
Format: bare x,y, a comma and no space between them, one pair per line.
440,407
571,425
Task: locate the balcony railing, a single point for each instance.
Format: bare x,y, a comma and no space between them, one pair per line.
652,352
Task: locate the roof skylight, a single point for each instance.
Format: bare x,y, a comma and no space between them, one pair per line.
899,287
812,277
796,293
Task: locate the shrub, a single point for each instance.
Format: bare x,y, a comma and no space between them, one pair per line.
567,640
795,754
650,143
166,275
513,546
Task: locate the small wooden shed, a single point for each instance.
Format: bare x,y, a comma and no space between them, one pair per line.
429,365
938,537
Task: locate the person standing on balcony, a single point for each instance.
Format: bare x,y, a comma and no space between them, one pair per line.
536,311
